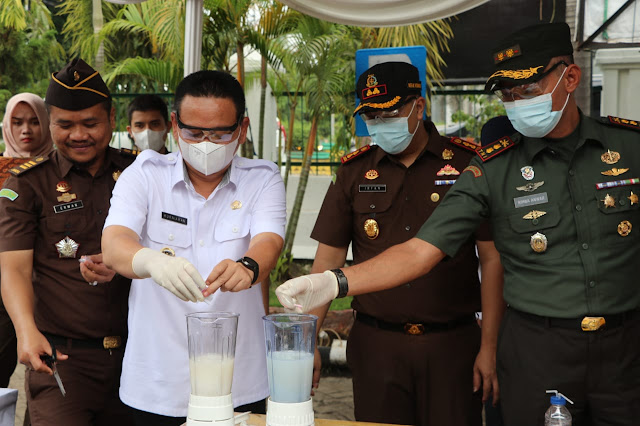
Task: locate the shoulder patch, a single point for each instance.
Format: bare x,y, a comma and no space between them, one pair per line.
130,152
473,169
622,122
29,164
350,156
488,152
469,146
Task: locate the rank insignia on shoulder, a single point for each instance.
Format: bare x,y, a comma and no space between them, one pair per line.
469,146
350,156
617,121
488,152
28,165
131,152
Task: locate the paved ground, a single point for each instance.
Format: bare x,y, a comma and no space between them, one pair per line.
333,398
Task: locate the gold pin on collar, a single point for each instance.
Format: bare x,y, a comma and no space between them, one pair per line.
115,175
447,154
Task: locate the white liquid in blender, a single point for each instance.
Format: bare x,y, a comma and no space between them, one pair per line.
290,374
211,375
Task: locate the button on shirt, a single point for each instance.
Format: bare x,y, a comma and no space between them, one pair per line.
155,199
65,304
588,266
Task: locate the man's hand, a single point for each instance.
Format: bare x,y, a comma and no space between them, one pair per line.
176,274
33,344
484,372
308,291
94,271
228,276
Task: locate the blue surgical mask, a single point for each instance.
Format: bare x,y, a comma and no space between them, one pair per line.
391,134
534,117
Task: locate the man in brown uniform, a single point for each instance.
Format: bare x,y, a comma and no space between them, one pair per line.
412,349
51,216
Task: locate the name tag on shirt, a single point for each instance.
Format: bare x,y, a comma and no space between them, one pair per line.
61,208
531,200
174,218
373,188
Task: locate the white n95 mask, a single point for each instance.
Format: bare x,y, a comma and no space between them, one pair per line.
208,157
149,139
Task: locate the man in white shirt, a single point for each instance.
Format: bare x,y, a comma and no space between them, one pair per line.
182,221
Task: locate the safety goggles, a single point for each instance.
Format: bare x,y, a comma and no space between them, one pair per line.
526,91
219,135
382,116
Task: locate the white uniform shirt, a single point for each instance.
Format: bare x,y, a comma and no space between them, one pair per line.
155,371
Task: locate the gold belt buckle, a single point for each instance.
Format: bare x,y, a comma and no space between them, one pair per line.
414,329
592,323
111,342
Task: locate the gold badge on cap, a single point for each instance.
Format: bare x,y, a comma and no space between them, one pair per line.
527,172
435,197
116,175
236,205
614,171
633,198
610,157
447,154
624,228
66,197
539,242
448,170
534,214
609,201
168,251
63,186
76,76
67,247
530,187
371,229
372,174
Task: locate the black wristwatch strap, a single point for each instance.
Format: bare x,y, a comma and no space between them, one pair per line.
251,265
343,285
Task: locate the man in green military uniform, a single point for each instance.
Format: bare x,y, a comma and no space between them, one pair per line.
562,196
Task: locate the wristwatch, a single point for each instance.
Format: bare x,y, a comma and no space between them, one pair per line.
343,284
251,265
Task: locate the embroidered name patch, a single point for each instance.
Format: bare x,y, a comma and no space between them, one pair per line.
372,188
531,200
174,218
61,208
473,169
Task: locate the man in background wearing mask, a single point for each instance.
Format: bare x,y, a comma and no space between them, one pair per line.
562,197
412,349
148,123
179,222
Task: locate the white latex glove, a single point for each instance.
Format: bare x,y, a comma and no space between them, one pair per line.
176,274
308,292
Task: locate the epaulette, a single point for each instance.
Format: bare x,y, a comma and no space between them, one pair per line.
131,152
622,122
27,165
470,146
491,150
350,156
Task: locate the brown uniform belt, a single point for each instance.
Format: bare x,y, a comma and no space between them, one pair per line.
586,323
108,342
414,328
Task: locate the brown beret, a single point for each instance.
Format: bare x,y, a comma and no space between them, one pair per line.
76,86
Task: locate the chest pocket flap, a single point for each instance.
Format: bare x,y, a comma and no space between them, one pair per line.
233,228
550,219
66,223
169,234
372,202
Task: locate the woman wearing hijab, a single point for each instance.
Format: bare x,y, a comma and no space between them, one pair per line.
25,127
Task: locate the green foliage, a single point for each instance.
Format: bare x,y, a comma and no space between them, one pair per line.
281,270
485,107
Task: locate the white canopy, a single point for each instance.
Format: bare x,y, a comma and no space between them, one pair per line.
382,13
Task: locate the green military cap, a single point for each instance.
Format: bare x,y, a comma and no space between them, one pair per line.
383,86
76,86
521,57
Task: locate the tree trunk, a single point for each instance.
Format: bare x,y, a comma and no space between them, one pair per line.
263,99
247,148
302,187
289,141
98,21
